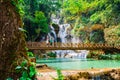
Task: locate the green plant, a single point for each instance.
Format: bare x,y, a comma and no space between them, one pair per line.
41,20
30,54
109,57
51,54
19,6
28,72
117,57
60,75
104,57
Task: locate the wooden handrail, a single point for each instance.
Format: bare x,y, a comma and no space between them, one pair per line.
72,46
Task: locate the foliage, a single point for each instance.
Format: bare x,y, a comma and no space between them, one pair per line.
36,25
30,54
90,12
117,57
93,55
75,9
77,12
97,36
84,34
112,34
41,21
107,12
103,56
27,72
37,17
109,57
51,54
26,69
19,6
49,7
60,76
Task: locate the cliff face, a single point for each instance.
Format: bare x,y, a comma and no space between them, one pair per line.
12,43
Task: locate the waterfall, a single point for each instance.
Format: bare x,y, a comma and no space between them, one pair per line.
62,33
66,37
52,34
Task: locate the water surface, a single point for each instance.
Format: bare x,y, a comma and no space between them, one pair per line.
77,64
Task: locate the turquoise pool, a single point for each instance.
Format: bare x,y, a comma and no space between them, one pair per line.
77,64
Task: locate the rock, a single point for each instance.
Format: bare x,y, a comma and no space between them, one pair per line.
41,66
72,77
79,76
105,75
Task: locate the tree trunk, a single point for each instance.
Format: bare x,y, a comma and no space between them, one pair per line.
12,43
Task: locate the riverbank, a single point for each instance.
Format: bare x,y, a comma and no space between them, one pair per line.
86,74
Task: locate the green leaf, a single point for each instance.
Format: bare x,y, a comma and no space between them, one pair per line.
30,54
32,71
31,74
26,48
60,76
24,63
28,79
22,78
32,63
25,74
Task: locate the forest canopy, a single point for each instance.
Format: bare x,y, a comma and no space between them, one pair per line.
81,14
37,17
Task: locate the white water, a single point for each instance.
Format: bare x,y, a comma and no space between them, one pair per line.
63,33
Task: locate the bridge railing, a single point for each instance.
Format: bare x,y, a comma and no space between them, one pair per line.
44,45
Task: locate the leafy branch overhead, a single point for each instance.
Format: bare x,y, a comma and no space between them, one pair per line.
19,6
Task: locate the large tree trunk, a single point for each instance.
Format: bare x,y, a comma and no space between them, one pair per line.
12,43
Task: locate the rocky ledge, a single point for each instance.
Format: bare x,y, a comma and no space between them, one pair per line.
113,74
89,74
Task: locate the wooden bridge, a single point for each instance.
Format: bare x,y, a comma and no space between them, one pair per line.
71,46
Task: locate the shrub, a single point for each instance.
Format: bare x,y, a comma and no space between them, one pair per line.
60,75
51,54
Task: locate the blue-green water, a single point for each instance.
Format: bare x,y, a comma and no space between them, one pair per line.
77,64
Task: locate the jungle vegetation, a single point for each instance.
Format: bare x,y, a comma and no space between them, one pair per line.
91,20
95,21
37,17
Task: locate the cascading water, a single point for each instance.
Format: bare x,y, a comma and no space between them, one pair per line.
66,37
52,34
